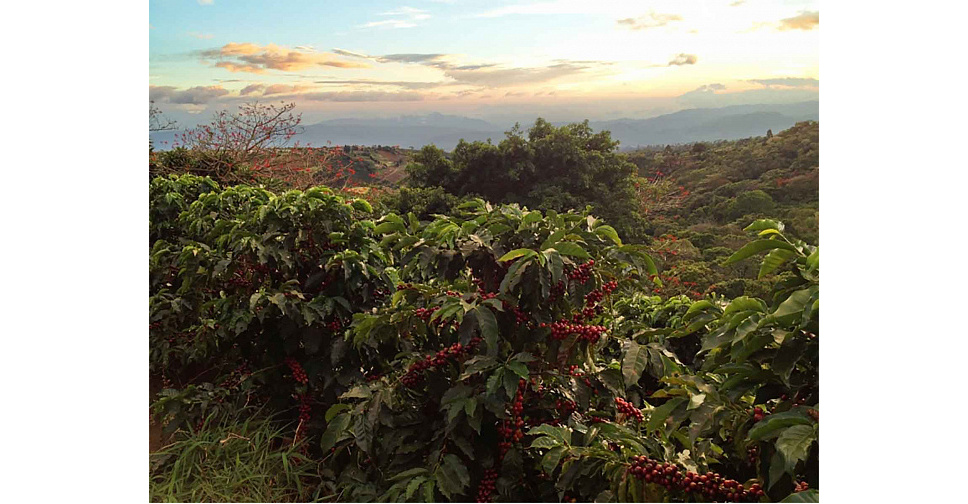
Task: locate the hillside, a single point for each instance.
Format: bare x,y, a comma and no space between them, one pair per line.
445,131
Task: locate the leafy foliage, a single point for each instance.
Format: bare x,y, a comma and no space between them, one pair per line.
492,352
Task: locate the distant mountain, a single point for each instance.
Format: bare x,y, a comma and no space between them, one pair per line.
444,131
696,125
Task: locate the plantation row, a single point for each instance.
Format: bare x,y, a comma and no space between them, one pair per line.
492,354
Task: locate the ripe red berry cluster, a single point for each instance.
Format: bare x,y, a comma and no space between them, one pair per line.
373,377
753,454
234,379
401,287
425,313
304,409
758,414
557,291
453,293
628,408
800,486
583,272
565,407
510,430
415,373
561,330
486,486
711,485
488,295
297,371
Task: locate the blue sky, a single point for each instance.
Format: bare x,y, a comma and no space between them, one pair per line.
570,58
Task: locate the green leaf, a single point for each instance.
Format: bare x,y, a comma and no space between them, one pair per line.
696,401
357,392
409,473
452,476
544,442
813,260
809,495
334,431
757,246
794,443
390,227
659,415
774,260
610,233
763,224
412,487
562,434
634,363
514,254
335,410
476,365
571,249
489,328
744,303
362,205
519,368
550,460
772,423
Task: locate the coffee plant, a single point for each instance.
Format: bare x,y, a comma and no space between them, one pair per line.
495,353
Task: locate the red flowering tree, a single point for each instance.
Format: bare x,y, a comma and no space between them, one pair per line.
255,145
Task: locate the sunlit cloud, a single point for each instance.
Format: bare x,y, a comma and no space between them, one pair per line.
650,20
683,59
406,17
788,82
804,21
363,96
248,57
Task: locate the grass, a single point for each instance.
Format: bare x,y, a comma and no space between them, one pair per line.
238,459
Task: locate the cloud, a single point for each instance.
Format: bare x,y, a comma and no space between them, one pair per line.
305,48
344,52
248,57
407,11
411,58
788,82
407,17
363,96
203,36
252,89
683,59
402,84
806,20
198,95
650,20
504,77
737,3
284,89
389,23
206,2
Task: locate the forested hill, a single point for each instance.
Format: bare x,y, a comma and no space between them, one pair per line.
689,202
728,181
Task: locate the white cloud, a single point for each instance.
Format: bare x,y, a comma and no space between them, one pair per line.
206,2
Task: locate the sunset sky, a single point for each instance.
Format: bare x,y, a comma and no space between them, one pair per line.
562,59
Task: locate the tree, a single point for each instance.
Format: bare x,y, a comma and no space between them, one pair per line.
157,120
548,167
253,145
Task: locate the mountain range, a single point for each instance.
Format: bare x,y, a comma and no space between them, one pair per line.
444,131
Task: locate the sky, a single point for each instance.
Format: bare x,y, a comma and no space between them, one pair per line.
489,59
